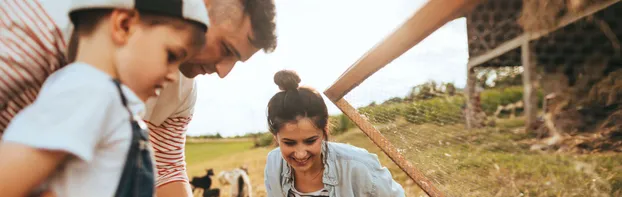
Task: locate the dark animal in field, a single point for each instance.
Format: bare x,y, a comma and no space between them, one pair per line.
205,183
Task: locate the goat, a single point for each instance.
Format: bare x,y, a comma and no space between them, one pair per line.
238,180
205,183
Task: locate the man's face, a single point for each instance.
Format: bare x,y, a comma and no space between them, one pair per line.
228,40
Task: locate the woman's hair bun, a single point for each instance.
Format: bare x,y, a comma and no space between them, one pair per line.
287,80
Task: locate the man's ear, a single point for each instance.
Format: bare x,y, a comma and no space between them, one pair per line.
123,24
207,4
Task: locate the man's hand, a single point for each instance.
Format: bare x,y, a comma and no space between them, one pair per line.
174,189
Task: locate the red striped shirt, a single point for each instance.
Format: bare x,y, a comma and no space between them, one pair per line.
168,141
31,47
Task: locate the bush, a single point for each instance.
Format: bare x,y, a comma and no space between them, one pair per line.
340,124
208,136
265,139
382,114
492,98
415,113
439,111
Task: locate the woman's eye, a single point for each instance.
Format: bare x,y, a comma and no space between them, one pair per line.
309,142
290,143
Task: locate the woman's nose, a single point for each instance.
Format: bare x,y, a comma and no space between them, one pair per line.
300,153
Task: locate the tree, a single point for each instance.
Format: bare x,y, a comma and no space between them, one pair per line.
508,76
423,91
450,89
500,77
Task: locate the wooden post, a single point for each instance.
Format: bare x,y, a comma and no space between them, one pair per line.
470,105
529,78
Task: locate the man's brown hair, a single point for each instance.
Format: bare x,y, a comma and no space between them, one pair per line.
262,13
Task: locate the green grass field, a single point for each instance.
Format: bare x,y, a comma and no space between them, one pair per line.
486,162
200,152
225,155
497,162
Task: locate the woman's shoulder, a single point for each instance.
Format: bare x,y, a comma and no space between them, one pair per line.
274,153
347,152
362,169
274,159
346,148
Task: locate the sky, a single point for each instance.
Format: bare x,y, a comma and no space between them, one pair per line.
320,39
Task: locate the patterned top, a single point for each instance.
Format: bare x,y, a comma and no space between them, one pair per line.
320,193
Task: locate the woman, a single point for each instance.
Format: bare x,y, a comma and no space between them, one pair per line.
306,164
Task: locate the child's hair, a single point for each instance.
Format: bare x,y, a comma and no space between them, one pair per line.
86,21
293,102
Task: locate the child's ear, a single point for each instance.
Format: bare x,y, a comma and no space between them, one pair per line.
123,25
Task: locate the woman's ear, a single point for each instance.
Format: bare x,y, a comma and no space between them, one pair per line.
123,23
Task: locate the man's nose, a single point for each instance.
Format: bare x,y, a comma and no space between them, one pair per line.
224,67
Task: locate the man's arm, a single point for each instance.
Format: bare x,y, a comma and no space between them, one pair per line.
168,136
168,141
174,189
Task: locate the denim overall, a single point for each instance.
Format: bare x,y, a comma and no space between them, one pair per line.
137,179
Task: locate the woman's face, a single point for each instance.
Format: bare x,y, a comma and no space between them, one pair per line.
301,144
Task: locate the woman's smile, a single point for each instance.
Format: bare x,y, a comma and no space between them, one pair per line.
301,162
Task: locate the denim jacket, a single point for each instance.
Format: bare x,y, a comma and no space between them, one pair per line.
348,171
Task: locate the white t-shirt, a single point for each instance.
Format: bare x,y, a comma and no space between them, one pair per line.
175,100
79,111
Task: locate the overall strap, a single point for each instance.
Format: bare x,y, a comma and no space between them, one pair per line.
123,99
137,178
